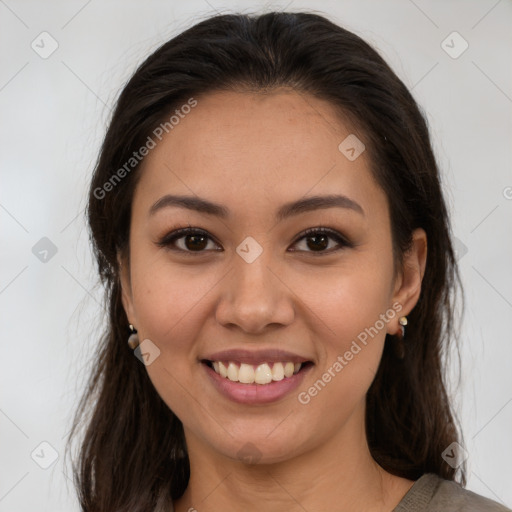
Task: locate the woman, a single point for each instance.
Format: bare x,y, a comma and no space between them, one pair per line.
268,221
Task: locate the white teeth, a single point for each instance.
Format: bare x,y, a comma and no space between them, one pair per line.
261,374
245,373
233,372
278,371
288,369
222,369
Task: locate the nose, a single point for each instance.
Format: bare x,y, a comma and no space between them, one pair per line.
253,297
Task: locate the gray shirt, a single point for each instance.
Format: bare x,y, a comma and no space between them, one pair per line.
431,493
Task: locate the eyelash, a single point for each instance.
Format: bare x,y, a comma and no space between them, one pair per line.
167,241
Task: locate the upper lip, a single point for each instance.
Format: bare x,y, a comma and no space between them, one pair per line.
256,356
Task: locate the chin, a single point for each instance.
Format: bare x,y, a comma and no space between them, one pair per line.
256,450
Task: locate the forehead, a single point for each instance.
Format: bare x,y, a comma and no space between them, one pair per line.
278,128
282,145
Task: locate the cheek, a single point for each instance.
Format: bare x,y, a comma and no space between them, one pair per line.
352,335
168,302
167,299
348,305
337,303
346,301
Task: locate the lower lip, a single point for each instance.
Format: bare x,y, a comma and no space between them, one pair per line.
255,393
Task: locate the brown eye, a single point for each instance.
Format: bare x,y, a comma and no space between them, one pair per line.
195,242
319,242
191,240
318,239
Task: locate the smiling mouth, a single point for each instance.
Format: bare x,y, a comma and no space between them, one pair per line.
263,373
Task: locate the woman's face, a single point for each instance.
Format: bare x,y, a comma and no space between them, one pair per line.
253,283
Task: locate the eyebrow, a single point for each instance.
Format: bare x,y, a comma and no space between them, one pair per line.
287,210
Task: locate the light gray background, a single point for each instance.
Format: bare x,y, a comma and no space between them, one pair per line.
53,114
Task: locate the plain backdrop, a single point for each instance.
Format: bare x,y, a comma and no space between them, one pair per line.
53,111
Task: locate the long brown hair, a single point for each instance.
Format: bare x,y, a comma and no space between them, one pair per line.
133,453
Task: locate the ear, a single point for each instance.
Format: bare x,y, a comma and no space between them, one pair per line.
126,290
408,282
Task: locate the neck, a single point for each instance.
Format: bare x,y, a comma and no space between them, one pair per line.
339,474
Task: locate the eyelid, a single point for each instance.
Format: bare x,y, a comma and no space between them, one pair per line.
332,233
167,240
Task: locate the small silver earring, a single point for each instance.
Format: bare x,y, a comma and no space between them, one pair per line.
403,322
133,340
